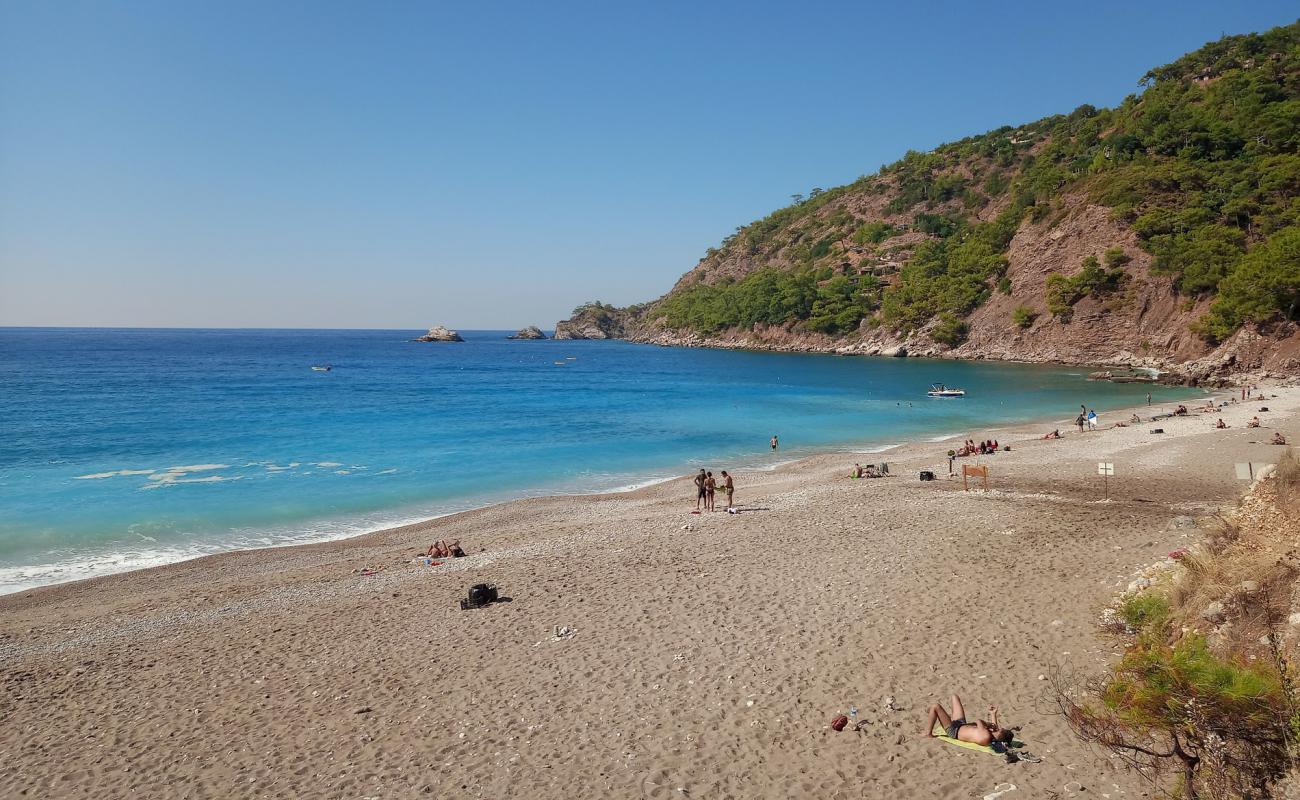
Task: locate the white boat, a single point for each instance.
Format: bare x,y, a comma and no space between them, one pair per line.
325,368
939,390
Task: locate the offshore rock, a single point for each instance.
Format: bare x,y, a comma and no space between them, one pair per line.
440,333
531,332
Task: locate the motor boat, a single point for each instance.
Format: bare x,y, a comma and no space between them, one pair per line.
939,390
325,368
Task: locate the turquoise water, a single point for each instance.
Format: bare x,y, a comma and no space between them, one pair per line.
127,448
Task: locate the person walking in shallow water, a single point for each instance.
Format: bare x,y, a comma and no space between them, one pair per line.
774,443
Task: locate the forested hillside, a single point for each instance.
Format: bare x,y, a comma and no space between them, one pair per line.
1175,215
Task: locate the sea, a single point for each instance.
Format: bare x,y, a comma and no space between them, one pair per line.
128,448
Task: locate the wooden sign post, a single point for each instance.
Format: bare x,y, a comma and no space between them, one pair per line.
980,471
1105,469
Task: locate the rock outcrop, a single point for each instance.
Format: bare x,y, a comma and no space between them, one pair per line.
594,321
440,333
531,332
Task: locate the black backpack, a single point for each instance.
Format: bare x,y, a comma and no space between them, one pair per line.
480,594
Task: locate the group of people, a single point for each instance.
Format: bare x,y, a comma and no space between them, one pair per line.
441,549
869,471
970,448
706,486
1087,419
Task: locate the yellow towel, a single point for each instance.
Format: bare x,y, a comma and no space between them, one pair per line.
982,748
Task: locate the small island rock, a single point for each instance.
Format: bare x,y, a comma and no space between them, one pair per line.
531,332
439,333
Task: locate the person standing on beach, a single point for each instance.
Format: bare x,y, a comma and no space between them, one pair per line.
1148,398
728,488
699,490
710,485
1081,420
774,443
1092,420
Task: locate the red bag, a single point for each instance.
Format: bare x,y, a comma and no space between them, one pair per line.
839,722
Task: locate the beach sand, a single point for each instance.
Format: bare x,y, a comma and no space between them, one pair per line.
707,662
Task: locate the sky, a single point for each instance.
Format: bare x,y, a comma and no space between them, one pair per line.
486,165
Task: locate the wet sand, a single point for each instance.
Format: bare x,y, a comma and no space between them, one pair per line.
707,661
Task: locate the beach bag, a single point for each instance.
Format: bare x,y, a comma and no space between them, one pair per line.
480,594
927,475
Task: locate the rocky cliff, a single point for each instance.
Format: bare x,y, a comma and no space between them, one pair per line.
598,321
1126,236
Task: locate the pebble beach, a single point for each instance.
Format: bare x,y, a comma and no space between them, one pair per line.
641,651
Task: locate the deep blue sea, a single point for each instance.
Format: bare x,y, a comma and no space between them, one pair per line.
129,448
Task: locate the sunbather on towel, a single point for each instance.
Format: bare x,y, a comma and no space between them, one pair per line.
978,732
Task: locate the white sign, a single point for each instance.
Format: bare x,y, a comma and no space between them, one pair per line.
1246,472
1105,468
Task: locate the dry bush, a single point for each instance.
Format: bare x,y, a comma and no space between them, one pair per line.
1220,573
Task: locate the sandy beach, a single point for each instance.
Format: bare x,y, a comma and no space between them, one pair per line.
709,654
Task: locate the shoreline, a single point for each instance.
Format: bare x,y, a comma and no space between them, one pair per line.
710,650
844,449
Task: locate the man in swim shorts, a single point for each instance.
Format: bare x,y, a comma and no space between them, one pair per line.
728,488
956,727
774,442
699,490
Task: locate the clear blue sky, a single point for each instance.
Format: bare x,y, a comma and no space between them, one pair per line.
486,165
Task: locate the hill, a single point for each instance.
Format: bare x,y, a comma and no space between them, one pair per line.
1165,231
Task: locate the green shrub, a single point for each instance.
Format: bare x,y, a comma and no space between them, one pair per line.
1146,612
874,232
1092,279
1023,316
1220,723
950,330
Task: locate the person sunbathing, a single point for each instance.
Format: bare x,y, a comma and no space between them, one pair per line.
443,550
1182,409
1056,434
956,727
857,471
1220,424
1278,438
1254,422
1135,419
